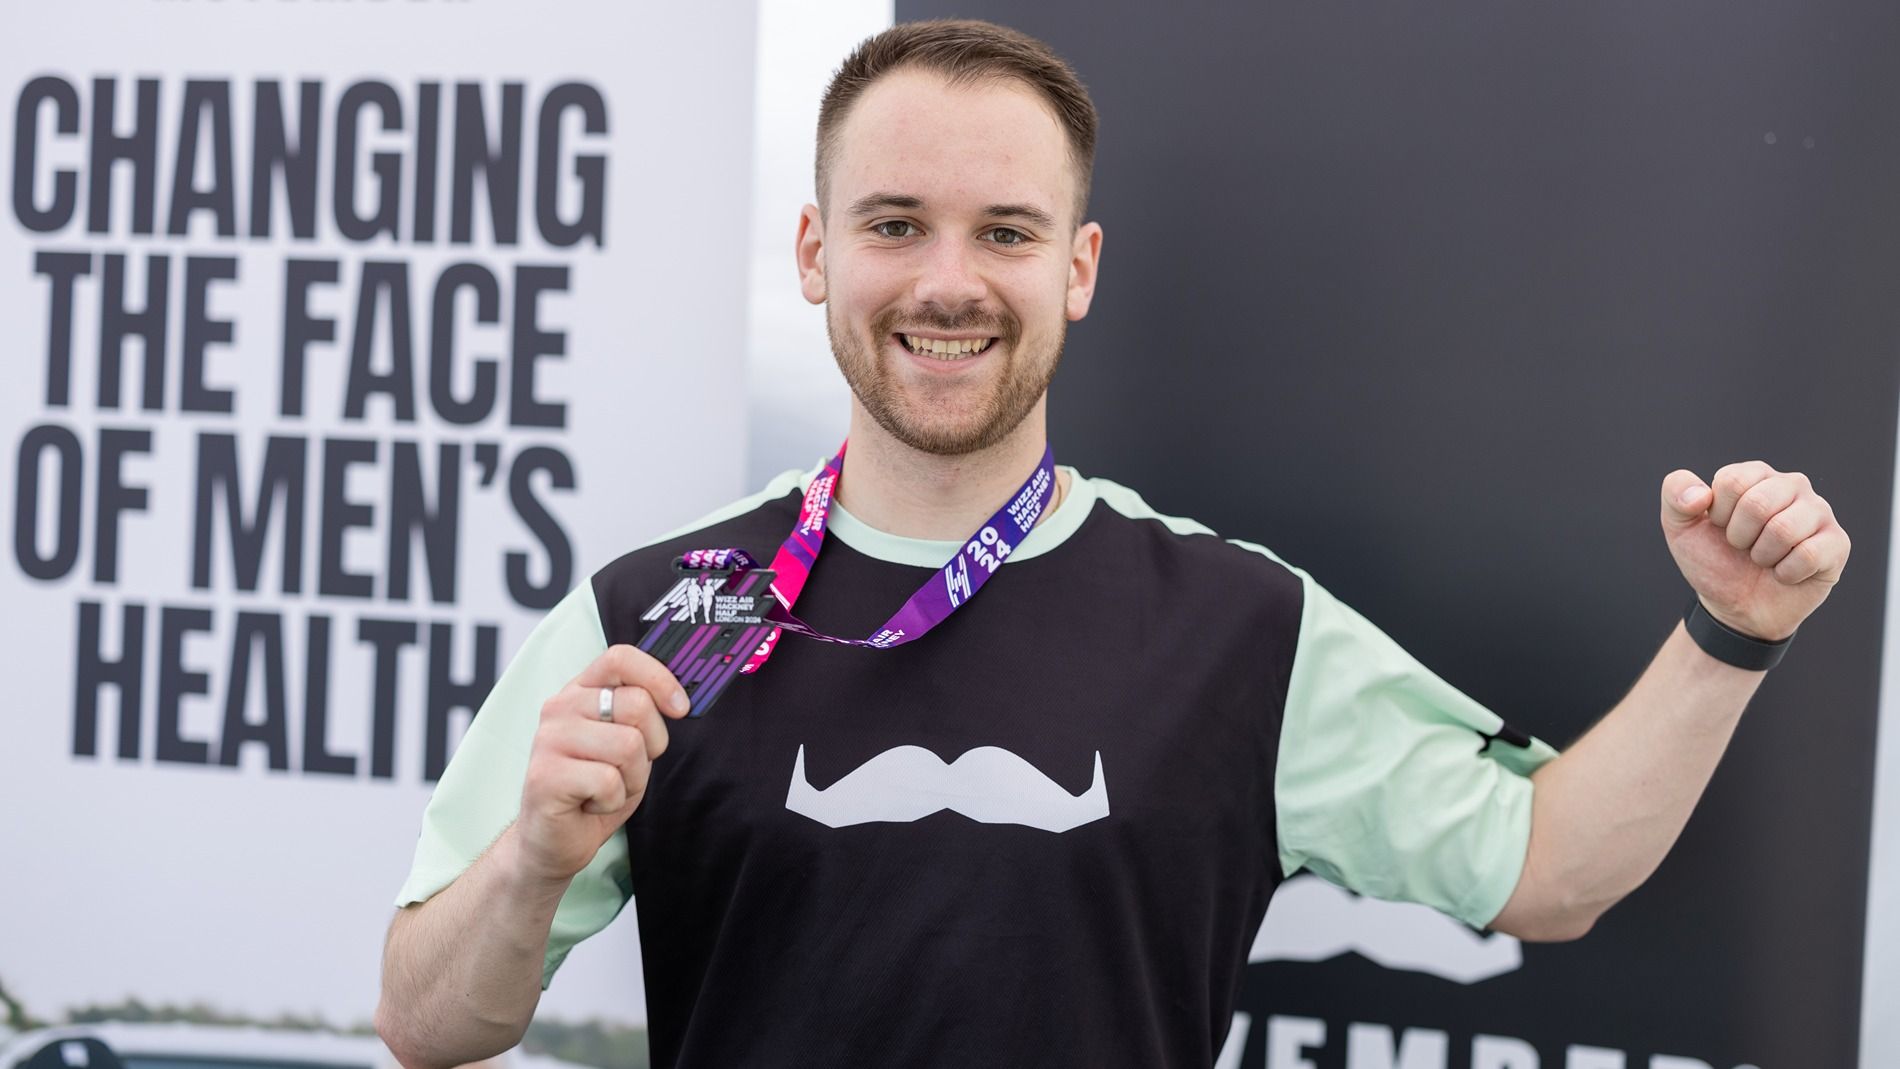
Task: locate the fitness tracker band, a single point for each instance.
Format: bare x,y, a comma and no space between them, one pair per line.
1728,645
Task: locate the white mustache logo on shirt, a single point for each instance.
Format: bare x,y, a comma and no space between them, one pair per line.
988,784
1311,920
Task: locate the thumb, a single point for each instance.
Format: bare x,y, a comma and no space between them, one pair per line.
1685,499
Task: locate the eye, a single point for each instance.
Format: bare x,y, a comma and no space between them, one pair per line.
885,229
1004,235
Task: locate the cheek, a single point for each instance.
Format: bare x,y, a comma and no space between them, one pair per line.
1048,282
860,295
1039,300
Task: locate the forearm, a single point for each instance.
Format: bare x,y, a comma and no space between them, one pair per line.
1608,809
462,970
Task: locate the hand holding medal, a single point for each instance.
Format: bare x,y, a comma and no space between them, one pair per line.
593,752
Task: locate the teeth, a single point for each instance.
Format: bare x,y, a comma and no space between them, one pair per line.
945,350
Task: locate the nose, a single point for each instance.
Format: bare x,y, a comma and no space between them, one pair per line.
951,279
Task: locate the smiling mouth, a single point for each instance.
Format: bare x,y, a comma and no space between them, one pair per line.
947,349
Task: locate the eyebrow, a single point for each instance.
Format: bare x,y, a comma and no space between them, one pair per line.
1021,211
873,203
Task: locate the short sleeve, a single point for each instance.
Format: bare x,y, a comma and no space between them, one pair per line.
1390,781
479,794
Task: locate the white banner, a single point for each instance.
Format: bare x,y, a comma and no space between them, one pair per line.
1880,987
345,338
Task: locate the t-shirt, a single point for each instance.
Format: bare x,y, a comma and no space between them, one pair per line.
1044,833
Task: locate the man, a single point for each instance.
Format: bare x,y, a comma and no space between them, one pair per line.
1046,830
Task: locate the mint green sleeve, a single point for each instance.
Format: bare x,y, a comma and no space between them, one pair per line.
480,791
1384,784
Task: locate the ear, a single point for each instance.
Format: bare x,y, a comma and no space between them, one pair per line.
810,250
1084,257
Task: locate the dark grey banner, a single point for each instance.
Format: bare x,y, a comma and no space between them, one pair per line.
1429,298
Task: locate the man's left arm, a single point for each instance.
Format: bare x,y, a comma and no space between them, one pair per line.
1761,550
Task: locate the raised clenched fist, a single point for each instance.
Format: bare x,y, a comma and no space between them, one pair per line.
1760,547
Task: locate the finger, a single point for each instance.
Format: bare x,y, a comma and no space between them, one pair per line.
583,739
634,707
1821,556
619,789
1786,529
620,742
1685,498
592,786
1730,483
627,666
628,757
1758,504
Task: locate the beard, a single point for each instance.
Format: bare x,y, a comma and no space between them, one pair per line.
946,419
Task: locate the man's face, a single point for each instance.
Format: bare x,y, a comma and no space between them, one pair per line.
948,257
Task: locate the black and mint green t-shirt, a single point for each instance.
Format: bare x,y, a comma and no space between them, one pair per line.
1044,834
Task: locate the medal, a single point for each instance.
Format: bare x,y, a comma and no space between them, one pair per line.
728,589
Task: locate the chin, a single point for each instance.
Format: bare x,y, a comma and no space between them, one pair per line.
941,436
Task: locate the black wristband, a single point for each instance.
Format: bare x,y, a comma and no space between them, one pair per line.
1728,645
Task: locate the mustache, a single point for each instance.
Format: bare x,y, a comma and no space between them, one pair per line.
988,784
1311,920
1003,326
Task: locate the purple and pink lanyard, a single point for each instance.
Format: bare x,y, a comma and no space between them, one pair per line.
953,585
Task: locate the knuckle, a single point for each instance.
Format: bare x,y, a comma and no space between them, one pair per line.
1742,474
1782,528
1798,564
1807,555
627,747
1758,504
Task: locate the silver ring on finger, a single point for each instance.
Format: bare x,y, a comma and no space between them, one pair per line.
607,704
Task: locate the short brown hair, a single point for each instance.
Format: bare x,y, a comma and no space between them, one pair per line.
963,51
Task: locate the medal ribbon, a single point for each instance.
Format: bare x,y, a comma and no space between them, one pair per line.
942,594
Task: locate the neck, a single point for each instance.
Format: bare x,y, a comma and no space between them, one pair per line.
912,494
